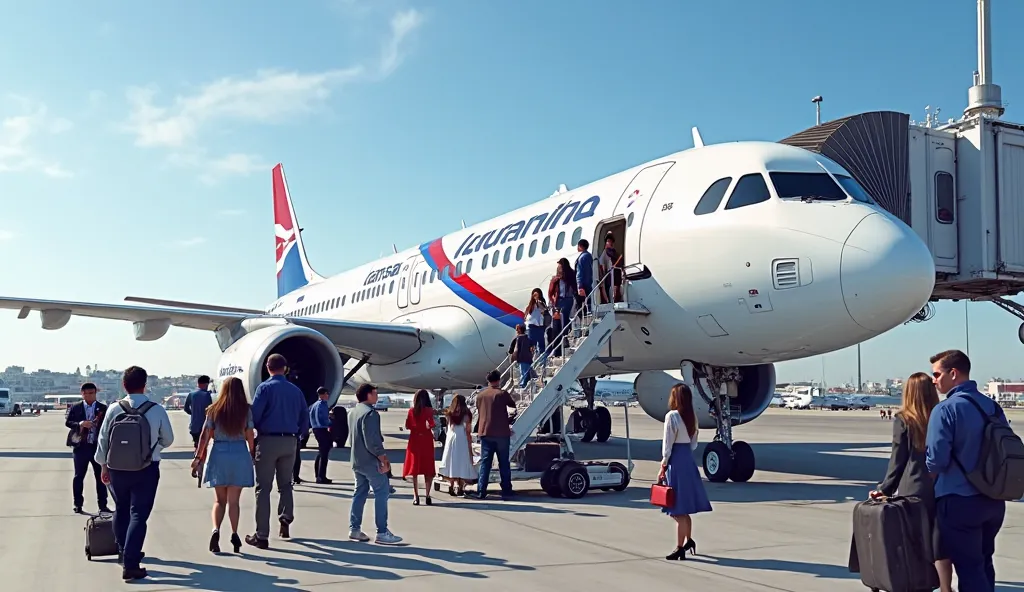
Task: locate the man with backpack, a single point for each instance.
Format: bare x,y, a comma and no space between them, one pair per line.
133,433
978,464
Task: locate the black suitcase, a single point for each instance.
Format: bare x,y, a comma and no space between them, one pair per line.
892,540
99,537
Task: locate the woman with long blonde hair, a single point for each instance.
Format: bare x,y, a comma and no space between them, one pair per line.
230,468
907,474
679,470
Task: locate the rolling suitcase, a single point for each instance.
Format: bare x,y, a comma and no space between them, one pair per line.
892,541
99,537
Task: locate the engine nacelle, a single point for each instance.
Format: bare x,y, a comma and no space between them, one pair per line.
755,394
313,361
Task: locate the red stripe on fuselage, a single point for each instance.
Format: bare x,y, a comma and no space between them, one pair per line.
441,260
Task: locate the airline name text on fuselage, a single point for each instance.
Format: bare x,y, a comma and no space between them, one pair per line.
571,211
382,274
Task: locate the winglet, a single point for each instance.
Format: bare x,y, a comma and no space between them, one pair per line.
698,142
293,270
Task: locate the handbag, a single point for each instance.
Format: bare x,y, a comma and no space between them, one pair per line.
662,495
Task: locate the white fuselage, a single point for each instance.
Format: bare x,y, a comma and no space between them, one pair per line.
776,280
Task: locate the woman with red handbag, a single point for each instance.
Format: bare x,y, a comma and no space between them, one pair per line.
682,492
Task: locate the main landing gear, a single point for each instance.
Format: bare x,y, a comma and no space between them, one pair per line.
590,422
724,458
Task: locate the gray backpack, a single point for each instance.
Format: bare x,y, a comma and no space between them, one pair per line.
131,439
999,471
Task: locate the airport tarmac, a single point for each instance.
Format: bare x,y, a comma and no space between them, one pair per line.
788,529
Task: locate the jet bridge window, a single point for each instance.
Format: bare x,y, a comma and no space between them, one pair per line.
712,198
807,186
945,197
750,189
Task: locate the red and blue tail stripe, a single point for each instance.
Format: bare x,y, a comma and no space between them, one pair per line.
465,288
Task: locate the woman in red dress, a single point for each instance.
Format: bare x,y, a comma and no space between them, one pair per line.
419,453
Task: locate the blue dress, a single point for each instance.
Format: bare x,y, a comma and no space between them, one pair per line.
229,462
682,474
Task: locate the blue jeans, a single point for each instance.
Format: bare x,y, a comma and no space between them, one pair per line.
525,370
536,335
968,527
134,493
489,446
381,490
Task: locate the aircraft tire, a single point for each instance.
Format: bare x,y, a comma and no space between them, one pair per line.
1020,333
717,462
604,423
588,424
743,462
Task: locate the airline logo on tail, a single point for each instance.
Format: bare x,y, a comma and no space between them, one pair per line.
291,266
285,239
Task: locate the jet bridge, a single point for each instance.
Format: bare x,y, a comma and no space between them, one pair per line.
960,186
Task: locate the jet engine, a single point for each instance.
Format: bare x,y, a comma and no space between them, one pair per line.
754,394
313,361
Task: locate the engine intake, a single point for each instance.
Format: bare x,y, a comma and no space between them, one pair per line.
313,361
755,392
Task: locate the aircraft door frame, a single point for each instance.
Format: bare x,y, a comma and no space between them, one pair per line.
404,281
632,206
416,282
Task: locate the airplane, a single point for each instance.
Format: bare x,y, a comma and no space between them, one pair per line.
742,254
609,392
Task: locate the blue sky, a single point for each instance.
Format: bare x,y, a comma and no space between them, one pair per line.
136,139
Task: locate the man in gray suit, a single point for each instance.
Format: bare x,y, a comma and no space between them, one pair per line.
370,466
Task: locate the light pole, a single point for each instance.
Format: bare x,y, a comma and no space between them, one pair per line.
817,109
860,381
967,328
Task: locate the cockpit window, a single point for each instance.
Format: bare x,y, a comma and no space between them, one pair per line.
712,198
854,189
750,189
807,186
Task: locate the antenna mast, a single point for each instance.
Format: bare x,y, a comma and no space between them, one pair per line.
817,109
985,98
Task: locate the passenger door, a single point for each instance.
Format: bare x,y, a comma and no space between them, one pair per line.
405,281
632,205
416,288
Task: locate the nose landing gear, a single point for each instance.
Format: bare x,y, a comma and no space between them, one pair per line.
724,458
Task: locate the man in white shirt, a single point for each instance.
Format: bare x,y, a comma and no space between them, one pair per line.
134,491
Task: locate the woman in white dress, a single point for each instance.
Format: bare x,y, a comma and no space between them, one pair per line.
457,458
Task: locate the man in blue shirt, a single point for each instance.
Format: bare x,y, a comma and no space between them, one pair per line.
584,275
320,419
279,415
968,521
196,404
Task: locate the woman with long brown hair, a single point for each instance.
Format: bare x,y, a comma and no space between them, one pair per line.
679,471
230,468
419,452
907,474
457,458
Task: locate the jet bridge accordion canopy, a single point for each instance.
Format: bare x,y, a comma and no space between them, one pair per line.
873,146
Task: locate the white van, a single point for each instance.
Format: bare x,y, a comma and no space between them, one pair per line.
7,406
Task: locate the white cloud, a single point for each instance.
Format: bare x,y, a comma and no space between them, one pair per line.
6,235
19,136
211,170
402,25
190,242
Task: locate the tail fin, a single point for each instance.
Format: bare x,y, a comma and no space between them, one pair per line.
293,270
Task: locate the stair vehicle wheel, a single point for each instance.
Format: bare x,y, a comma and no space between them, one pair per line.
619,468
437,485
604,423
717,462
742,462
573,480
549,479
588,424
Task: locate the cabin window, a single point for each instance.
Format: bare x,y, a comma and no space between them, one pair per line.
817,186
343,298
560,241
494,259
629,220
712,198
415,280
750,189
458,269
401,286
519,252
508,254
483,262
533,247
432,272
391,287
469,265
446,272
945,198
544,246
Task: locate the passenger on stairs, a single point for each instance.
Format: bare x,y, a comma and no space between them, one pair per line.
537,316
561,291
584,276
679,471
611,286
521,351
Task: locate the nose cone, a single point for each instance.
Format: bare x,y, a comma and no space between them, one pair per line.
887,273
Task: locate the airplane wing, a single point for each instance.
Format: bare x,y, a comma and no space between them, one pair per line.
381,343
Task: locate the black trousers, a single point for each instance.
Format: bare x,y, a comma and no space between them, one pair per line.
83,457
324,445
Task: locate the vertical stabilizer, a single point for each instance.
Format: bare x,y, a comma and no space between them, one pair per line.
293,270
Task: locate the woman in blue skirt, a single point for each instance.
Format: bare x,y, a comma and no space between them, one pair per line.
230,468
679,471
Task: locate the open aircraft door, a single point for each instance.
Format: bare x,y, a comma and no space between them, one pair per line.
631,208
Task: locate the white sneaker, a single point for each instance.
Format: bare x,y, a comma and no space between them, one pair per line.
386,538
358,535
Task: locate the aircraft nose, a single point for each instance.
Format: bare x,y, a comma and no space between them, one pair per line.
887,273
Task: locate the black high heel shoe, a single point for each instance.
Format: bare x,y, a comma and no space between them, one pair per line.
678,555
691,546
215,542
236,542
